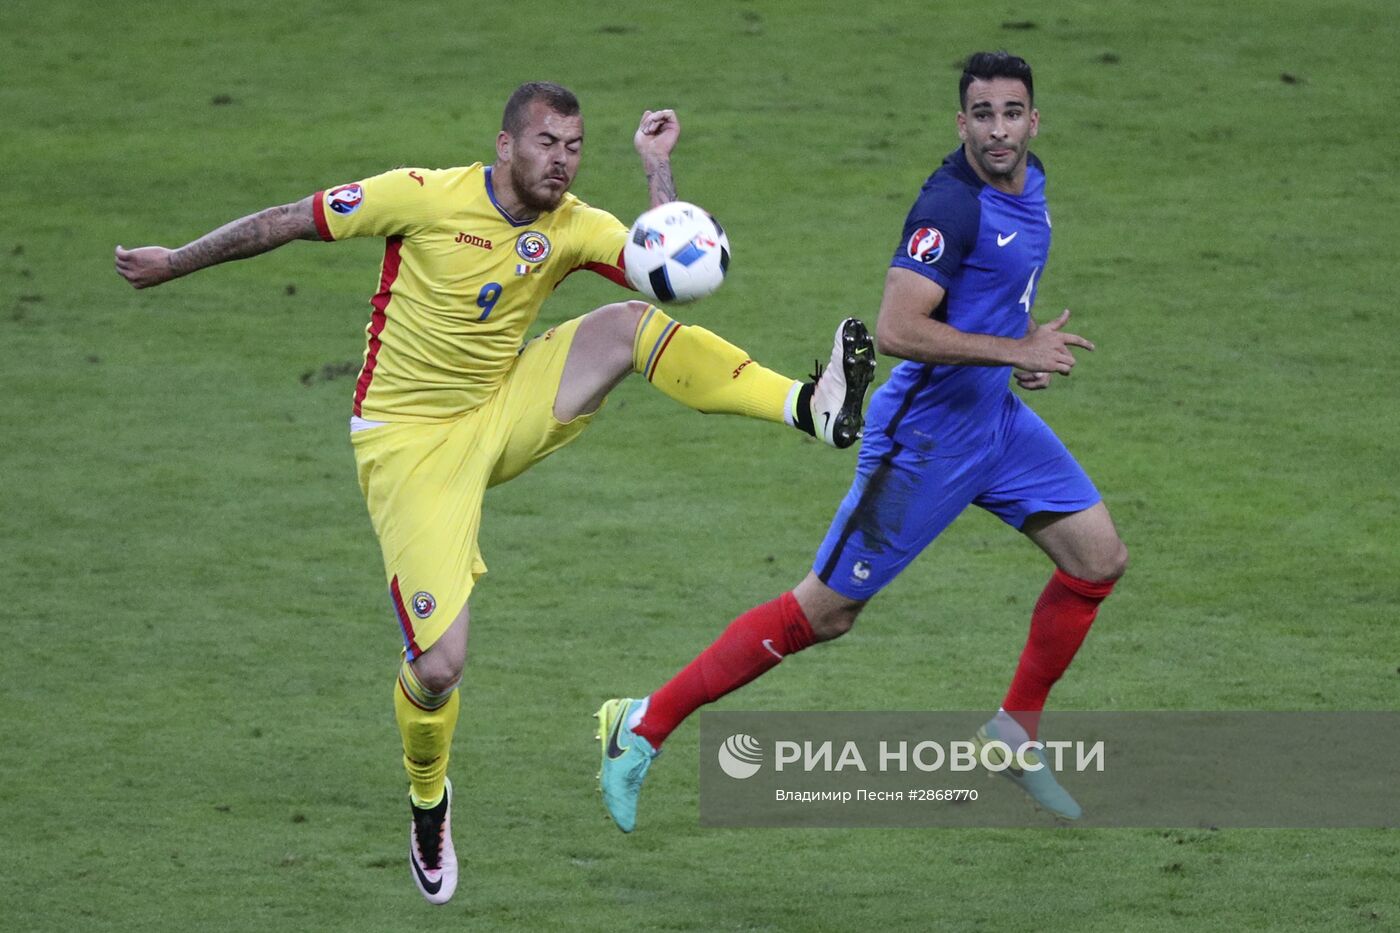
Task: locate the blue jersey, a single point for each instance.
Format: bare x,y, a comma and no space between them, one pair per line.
987,249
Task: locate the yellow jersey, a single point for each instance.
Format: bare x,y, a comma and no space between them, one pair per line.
461,282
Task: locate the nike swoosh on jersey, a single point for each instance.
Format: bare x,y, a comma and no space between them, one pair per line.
768,643
1002,241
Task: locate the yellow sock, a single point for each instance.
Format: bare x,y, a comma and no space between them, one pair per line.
707,373
426,722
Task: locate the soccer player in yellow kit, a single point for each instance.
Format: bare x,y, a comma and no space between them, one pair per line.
449,402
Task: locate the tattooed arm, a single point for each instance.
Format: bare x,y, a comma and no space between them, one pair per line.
655,138
248,236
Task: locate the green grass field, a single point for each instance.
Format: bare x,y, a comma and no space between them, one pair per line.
198,655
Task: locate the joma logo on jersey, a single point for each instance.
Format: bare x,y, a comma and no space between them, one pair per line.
473,240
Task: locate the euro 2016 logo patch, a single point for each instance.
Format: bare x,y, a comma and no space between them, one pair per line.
926,245
532,246
346,199
423,604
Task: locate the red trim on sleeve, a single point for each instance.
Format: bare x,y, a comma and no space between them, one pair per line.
318,211
611,273
387,275
615,273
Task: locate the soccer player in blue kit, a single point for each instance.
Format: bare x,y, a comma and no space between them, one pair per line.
943,433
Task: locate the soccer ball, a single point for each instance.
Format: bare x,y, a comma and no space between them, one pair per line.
676,253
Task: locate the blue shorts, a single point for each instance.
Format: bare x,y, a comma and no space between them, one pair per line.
902,499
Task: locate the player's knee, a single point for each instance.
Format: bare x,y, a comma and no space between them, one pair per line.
1120,561
439,679
440,670
834,622
612,328
622,318
1113,564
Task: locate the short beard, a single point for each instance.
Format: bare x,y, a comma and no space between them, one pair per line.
528,197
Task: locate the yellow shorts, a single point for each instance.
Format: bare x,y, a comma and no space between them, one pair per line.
424,484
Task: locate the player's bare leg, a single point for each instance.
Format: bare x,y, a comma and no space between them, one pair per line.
599,359
702,371
1082,544
830,614
1089,558
440,667
425,705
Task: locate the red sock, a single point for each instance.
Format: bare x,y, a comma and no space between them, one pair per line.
1061,619
752,644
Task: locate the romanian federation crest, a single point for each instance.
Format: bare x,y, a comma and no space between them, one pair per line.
423,604
533,246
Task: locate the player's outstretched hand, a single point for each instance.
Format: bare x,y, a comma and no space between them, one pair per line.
144,266
657,133
1046,349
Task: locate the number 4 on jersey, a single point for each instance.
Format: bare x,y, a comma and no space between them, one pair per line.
1028,295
